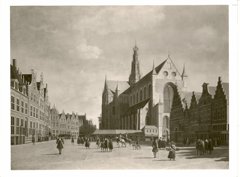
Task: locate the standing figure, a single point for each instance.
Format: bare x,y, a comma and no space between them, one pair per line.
210,146
206,150
110,145
102,144
118,140
98,142
60,143
106,144
87,143
72,140
172,153
155,147
33,139
78,140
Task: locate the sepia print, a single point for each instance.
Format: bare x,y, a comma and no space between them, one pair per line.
119,87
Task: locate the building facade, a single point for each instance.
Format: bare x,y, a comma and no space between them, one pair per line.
143,100
55,122
203,116
32,118
160,98
19,106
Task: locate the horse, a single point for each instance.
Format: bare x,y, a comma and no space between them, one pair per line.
122,142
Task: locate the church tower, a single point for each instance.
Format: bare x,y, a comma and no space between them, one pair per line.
105,99
184,77
135,70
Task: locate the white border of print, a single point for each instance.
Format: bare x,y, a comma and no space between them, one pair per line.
5,151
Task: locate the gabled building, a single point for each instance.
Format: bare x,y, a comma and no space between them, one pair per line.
142,100
205,116
55,122
19,106
160,98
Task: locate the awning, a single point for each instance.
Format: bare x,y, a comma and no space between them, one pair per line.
115,132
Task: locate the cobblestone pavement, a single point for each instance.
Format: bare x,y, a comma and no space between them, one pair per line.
45,156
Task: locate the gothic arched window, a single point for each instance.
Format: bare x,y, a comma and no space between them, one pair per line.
149,90
145,93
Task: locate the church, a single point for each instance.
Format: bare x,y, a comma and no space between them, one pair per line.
158,99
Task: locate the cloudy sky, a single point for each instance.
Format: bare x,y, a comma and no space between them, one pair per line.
75,47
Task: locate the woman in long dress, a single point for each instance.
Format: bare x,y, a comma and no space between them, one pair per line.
60,145
110,145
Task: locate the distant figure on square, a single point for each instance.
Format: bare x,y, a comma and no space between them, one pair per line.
78,140
155,147
210,146
33,139
60,143
87,143
72,140
172,153
110,145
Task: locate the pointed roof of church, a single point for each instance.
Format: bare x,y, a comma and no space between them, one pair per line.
121,85
184,74
149,74
153,69
138,106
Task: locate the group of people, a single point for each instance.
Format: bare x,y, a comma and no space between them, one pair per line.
106,144
159,144
204,146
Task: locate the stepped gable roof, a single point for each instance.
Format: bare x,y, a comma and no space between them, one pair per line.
225,86
149,74
188,97
138,106
122,86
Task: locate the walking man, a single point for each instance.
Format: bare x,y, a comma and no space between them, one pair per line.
155,147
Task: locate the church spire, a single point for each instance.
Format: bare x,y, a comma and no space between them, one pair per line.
105,83
184,75
116,91
135,70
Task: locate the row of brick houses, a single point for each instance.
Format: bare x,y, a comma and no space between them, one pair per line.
32,117
201,115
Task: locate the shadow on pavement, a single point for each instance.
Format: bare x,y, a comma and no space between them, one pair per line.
162,160
217,153
222,159
143,158
52,154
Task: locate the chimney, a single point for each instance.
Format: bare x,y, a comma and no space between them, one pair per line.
15,63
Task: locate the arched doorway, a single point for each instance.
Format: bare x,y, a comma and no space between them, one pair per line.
168,94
